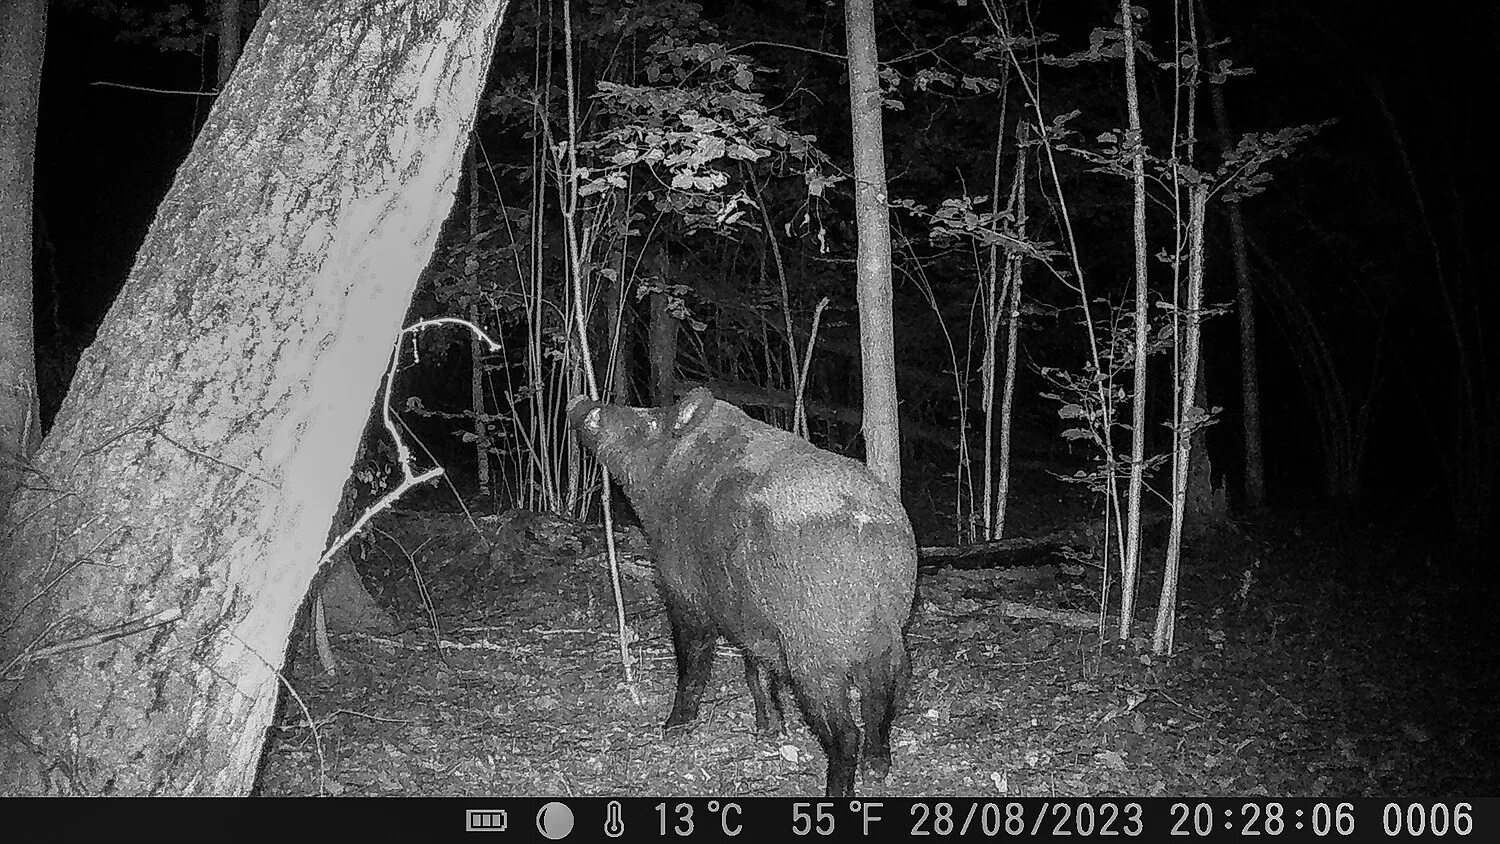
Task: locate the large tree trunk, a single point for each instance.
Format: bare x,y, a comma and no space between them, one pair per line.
190,478
23,32
873,274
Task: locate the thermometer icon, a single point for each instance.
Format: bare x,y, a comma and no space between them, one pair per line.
614,826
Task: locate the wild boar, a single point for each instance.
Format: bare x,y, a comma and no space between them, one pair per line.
801,558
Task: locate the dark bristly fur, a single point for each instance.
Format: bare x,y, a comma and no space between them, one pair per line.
800,557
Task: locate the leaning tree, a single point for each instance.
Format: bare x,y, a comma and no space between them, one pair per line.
176,512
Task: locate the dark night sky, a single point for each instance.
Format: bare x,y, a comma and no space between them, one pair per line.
106,154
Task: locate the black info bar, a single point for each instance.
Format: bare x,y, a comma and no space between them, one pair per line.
535,819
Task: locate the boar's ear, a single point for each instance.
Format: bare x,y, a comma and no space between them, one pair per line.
694,408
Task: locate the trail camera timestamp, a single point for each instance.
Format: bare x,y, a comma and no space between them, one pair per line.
1208,818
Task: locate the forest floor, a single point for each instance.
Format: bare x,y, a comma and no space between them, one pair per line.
1315,657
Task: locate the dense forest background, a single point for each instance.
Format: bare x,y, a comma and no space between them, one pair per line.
1339,231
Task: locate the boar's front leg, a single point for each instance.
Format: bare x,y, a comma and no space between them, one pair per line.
694,637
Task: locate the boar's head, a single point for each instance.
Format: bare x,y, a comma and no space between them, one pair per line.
634,442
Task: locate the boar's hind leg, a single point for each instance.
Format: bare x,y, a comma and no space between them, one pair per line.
825,703
763,676
694,637
879,698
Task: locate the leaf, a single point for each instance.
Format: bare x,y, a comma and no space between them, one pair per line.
1111,759
928,77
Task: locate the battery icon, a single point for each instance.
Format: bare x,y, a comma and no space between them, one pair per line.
484,820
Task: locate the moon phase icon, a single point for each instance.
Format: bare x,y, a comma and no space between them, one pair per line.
554,820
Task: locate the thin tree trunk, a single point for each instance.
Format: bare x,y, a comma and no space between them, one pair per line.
1255,461
1012,305
477,348
990,524
188,484
1207,505
662,338
799,418
23,34
618,320
1255,458
1188,415
873,273
1130,564
229,39
991,321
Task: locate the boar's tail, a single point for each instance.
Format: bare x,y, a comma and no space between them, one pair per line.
877,666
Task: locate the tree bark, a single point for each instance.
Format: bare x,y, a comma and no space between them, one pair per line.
618,318
1163,635
662,336
1011,305
1255,461
1130,565
23,34
873,273
229,39
188,484
483,461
